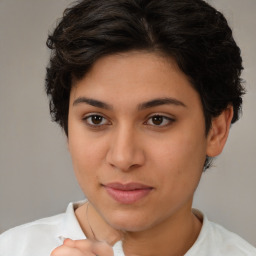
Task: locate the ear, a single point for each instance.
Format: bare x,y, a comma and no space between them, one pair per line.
218,134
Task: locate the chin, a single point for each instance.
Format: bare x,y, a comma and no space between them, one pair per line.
130,223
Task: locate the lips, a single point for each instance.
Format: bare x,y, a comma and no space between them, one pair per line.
127,193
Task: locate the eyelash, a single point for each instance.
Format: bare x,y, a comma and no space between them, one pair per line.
168,121
95,126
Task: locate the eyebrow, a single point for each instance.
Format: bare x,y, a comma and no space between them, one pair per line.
92,102
142,106
159,102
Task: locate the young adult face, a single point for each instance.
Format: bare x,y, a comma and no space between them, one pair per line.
137,139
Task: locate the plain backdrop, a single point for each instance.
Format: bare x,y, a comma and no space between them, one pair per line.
36,177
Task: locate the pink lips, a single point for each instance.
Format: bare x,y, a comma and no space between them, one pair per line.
127,193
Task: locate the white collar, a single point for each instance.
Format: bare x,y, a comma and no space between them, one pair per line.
70,227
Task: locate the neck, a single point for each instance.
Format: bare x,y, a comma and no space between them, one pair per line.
172,237
94,227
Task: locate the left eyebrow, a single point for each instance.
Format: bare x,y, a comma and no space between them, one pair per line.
159,102
92,102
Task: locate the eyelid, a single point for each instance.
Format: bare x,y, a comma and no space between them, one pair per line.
95,126
164,116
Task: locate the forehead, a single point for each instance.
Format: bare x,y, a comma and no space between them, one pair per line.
133,77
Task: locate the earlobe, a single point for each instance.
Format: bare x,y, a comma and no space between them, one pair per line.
219,131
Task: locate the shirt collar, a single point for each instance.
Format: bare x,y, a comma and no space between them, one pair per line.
70,227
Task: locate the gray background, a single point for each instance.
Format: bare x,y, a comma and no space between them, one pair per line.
36,178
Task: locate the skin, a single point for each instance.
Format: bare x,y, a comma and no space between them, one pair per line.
126,144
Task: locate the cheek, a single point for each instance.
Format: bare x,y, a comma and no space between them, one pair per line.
182,152
85,157
180,161
85,147
87,154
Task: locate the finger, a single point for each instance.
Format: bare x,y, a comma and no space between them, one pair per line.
64,250
102,249
82,245
69,242
86,246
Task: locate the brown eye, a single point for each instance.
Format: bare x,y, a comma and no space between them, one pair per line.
159,120
96,120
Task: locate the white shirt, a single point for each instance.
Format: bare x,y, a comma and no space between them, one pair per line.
40,237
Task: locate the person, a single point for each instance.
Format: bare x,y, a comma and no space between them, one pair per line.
146,92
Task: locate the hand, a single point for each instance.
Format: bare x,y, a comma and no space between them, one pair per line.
83,248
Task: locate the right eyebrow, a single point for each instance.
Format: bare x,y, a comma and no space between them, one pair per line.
92,102
161,101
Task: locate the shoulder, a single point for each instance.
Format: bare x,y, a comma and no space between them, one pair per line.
230,243
216,240
32,228
43,231
42,236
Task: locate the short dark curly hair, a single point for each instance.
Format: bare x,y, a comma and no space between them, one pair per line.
192,32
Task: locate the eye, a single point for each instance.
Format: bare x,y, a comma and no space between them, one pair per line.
96,120
160,120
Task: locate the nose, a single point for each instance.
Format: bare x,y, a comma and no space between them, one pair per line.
125,152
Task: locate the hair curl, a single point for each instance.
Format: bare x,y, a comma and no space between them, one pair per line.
191,31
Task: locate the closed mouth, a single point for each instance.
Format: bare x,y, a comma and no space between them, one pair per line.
128,193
